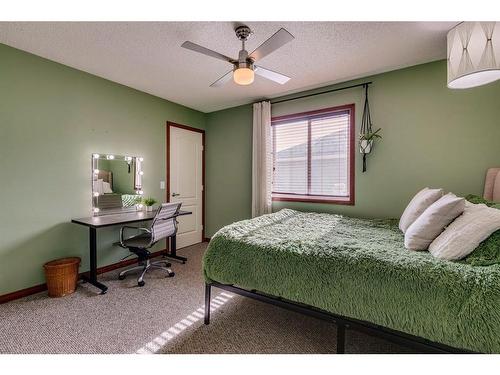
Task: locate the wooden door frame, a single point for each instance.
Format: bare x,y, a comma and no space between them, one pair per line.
189,128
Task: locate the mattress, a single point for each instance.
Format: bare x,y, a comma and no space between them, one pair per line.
359,268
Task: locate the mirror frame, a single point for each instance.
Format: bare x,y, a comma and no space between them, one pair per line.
138,175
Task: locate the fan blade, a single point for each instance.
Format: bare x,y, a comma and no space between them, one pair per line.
269,74
223,80
200,49
279,39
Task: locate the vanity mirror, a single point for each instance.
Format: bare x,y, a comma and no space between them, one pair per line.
116,183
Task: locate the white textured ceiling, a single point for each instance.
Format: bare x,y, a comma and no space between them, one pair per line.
147,55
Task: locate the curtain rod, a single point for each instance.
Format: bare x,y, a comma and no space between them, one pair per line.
322,92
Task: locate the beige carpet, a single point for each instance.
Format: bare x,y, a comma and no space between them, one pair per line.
165,316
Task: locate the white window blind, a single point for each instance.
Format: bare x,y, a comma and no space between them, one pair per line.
311,155
290,157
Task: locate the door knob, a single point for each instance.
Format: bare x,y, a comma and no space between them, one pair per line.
175,194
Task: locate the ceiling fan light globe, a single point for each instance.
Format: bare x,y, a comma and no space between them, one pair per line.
243,76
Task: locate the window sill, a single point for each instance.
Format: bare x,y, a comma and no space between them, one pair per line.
313,199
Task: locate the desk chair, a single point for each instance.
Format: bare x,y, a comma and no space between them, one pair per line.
164,225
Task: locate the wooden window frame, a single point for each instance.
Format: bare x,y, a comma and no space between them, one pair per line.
291,197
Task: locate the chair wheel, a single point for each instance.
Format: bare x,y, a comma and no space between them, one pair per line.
168,264
121,277
171,274
141,283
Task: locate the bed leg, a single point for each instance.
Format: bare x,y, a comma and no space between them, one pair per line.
207,303
340,338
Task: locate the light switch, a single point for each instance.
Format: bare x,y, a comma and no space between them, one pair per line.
162,185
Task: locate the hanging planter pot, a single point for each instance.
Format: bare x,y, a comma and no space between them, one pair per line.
367,136
365,147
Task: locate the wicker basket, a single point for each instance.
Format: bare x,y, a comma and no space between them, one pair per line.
61,276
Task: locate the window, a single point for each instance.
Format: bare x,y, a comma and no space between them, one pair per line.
313,156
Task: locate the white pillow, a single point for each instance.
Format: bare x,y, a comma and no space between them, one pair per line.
432,222
106,188
423,199
98,186
462,236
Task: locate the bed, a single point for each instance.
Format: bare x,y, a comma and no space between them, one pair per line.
357,274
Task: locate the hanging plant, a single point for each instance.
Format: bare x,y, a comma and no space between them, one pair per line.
367,135
366,141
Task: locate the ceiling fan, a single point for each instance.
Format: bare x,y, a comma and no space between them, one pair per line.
244,67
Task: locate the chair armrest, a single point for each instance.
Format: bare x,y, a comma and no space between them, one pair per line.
122,233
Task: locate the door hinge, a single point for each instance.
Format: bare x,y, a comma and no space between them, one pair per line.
202,188
202,227
202,148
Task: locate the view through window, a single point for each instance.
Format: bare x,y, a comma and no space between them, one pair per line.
312,155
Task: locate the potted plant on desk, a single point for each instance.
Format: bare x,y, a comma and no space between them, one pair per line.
149,202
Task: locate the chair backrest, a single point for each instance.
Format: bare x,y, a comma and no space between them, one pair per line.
165,223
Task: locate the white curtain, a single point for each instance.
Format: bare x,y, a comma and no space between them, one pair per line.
262,159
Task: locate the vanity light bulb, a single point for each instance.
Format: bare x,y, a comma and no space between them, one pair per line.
96,210
96,171
140,192
95,156
141,173
96,194
110,157
141,159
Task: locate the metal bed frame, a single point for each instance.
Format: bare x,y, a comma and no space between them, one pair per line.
343,323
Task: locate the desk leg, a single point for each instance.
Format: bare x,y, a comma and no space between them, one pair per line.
173,251
92,278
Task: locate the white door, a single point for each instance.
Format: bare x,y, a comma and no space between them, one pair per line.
186,181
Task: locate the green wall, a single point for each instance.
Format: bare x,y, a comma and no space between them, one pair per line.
432,136
52,118
228,175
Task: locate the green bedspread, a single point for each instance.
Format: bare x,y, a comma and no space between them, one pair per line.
360,269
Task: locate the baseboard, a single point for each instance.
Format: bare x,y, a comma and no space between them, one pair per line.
41,287
22,293
206,239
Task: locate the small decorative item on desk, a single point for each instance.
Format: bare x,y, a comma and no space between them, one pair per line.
149,202
138,203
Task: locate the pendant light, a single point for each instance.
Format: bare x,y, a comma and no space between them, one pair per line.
473,54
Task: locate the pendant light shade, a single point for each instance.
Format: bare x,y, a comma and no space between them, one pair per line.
473,54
